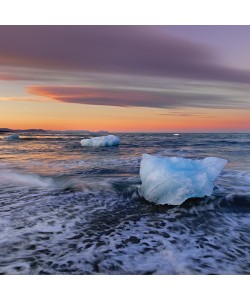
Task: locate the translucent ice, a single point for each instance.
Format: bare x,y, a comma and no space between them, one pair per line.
12,137
172,180
101,141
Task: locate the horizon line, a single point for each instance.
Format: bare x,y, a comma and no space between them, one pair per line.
108,131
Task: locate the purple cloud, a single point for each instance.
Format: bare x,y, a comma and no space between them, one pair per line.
186,114
142,50
14,77
128,98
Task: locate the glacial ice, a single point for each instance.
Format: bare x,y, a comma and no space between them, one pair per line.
12,137
172,180
101,141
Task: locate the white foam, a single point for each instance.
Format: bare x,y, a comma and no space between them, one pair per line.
19,179
173,180
101,141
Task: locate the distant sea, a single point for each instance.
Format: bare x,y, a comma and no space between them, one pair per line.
68,209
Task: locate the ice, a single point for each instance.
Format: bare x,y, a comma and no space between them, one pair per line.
101,141
172,180
12,137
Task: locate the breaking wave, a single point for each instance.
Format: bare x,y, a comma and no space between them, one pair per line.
19,179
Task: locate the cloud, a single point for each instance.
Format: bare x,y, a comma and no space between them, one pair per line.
20,99
12,77
130,98
141,50
186,114
9,77
27,74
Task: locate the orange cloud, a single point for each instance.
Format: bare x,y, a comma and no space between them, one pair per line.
128,97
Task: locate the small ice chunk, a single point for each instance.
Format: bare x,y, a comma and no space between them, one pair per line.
172,180
12,137
101,141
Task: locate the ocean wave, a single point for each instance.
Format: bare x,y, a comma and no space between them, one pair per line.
85,186
66,209
8,177
57,184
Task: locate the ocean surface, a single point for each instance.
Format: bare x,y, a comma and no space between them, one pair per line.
68,209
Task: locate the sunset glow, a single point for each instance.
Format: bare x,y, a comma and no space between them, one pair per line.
125,78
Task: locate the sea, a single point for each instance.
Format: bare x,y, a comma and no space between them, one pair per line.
68,209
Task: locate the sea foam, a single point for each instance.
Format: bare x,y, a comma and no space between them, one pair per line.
19,179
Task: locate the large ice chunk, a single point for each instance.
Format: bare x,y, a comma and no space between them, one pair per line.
12,137
101,141
172,180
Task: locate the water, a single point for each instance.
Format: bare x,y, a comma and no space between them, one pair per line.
68,209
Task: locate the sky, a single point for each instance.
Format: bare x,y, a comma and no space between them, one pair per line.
125,78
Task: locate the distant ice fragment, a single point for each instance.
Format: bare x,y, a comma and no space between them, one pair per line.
101,141
12,137
176,133
172,180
